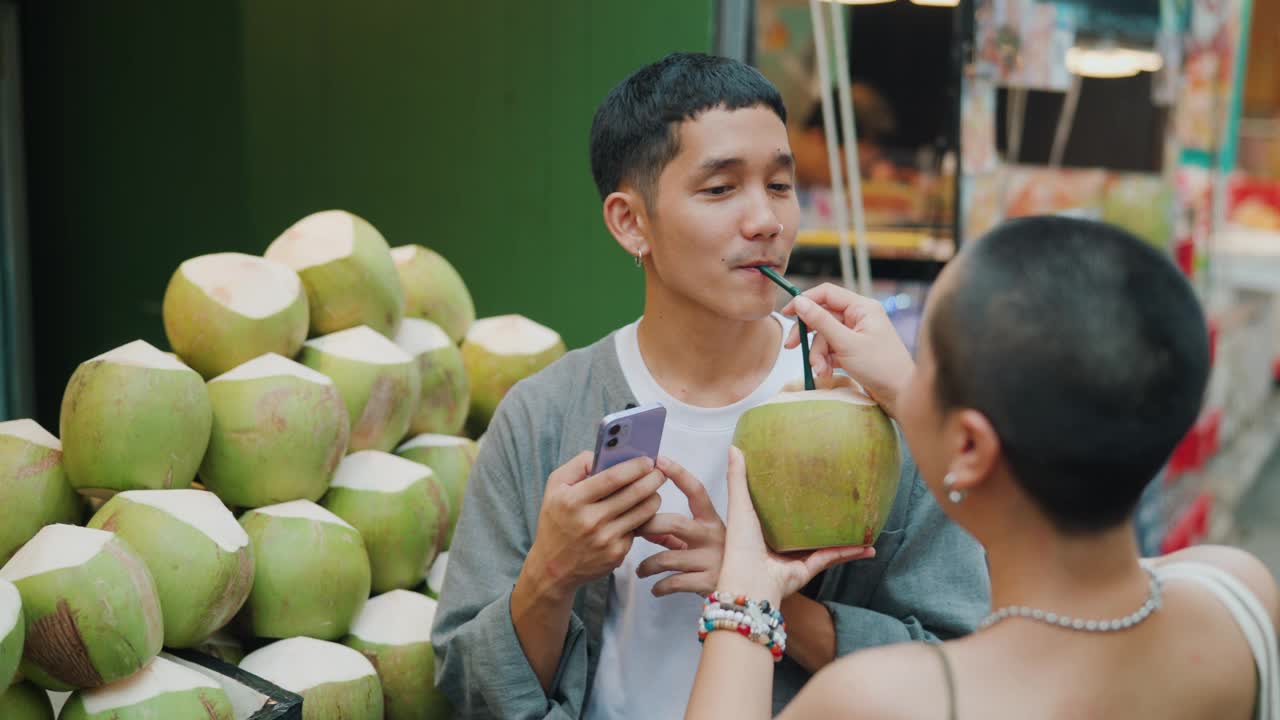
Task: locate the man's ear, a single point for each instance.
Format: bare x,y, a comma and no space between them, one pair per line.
628,221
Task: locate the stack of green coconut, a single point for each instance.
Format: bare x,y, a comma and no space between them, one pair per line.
279,491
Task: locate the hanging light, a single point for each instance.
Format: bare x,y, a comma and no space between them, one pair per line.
937,3
1108,59
1101,62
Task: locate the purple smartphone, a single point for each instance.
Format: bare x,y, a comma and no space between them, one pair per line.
629,434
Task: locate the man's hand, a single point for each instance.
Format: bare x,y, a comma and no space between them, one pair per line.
586,524
695,546
853,333
585,529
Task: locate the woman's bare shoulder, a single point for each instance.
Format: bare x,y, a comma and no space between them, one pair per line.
890,682
1241,564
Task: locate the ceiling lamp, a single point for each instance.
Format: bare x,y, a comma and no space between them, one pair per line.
1109,60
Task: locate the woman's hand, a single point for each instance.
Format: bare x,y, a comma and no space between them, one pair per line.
853,333
749,567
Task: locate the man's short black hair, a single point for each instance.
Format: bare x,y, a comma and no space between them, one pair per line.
1088,352
634,134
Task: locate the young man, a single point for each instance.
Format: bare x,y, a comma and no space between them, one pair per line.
561,600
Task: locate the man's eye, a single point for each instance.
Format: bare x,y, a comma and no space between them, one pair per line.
780,187
718,190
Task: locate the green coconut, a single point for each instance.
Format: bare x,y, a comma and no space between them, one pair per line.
822,465
311,572
451,459
446,394
378,382
433,290
163,690
333,680
90,606
134,419
346,267
394,633
196,551
500,352
435,578
24,701
400,511
12,632
279,431
34,491
225,309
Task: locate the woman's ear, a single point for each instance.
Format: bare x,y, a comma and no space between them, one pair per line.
627,220
975,450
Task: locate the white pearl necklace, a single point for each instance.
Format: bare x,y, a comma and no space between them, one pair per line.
1151,605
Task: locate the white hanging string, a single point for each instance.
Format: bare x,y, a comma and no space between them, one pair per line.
849,129
833,158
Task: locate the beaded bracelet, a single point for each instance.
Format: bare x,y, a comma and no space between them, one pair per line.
757,621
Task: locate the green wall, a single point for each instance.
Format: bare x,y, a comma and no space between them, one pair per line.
159,131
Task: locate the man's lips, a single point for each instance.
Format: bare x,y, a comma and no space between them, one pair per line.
759,263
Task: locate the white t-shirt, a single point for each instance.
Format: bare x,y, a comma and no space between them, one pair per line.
650,647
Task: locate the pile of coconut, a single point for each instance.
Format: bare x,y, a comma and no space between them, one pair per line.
278,488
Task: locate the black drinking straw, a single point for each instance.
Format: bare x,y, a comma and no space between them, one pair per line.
804,332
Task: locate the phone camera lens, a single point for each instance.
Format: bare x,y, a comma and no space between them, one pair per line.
614,430
613,442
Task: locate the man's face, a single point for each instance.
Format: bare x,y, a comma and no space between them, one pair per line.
719,206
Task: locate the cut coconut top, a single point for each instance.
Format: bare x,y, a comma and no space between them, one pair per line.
378,471
840,388
301,663
272,365
302,509
30,431
404,253
435,578
417,336
156,678
200,509
398,617
10,604
141,353
433,440
361,343
512,335
55,547
315,240
246,284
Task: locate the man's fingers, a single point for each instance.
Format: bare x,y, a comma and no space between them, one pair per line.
572,472
699,502
696,582
672,561
602,485
670,542
630,495
678,526
639,514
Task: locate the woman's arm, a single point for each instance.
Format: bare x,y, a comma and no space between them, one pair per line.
735,674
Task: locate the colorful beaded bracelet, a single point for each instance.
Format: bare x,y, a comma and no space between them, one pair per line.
757,621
